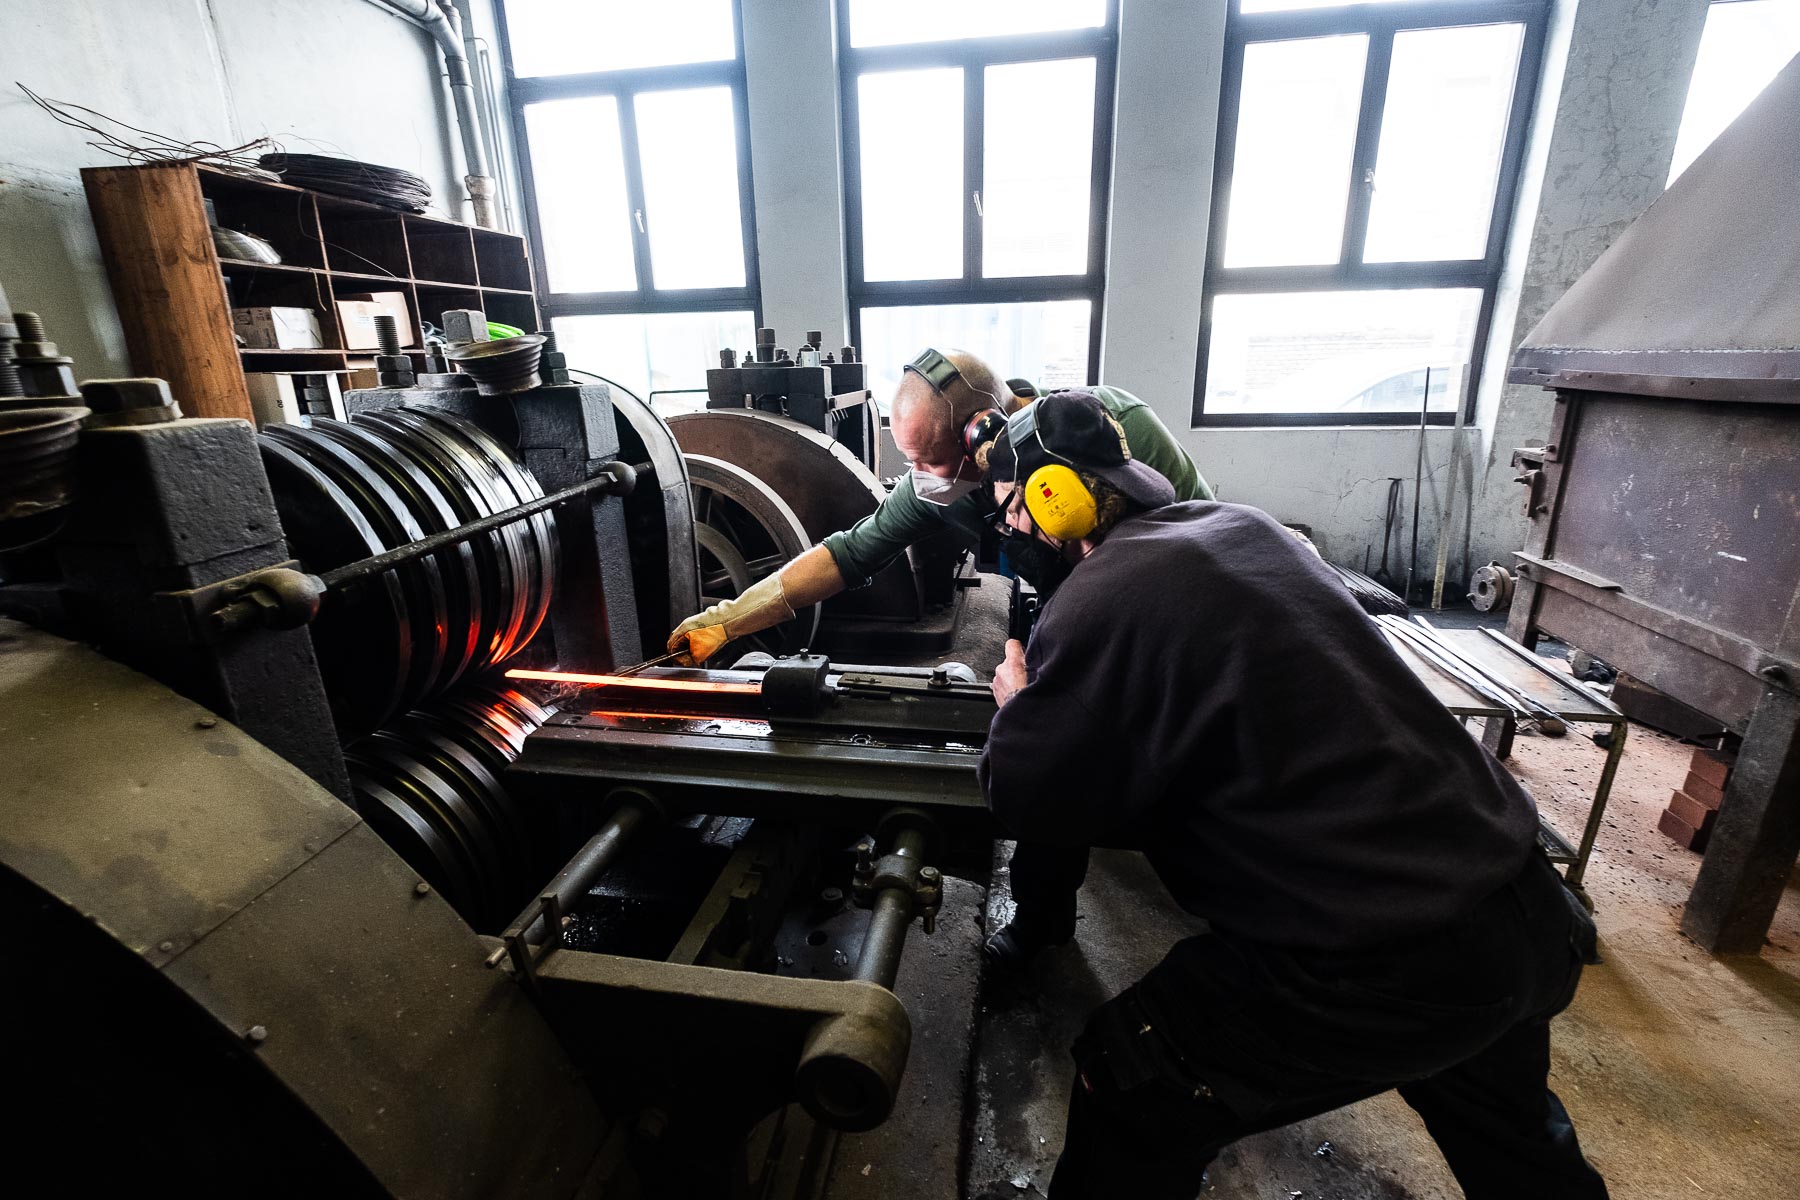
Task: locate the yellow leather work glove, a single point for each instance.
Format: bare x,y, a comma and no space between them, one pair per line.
762,604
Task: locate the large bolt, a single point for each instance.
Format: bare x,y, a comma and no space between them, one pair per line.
31,327
392,368
553,364
387,333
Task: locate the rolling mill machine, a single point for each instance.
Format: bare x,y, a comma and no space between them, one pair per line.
351,853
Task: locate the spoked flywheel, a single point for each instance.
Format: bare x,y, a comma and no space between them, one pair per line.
745,533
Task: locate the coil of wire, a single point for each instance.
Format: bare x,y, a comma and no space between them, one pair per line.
389,187
346,491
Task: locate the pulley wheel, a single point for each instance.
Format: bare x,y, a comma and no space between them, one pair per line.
755,534
1491,588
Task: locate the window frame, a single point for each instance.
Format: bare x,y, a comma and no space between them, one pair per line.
974,55
624,86
1380,21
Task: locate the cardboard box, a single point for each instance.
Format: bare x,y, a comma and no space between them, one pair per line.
357,315
276,397
278,328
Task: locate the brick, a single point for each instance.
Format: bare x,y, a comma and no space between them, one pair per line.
1711,766
1692,811
1706,792
1680,832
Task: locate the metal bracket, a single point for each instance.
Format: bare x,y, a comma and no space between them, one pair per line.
524,961
278,597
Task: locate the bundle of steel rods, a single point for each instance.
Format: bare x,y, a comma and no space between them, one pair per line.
389,187
1424,641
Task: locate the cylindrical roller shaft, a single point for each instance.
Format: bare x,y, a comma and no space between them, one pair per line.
579,874
882,945
886,938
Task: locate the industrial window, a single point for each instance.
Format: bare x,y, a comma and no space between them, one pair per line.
977,145
634,144
1367,160
1745,44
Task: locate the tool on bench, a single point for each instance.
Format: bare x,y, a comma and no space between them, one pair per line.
650,662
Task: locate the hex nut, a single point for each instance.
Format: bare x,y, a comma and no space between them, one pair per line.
122,395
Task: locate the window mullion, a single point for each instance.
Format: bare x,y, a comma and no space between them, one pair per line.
1368,144
974,119
634,194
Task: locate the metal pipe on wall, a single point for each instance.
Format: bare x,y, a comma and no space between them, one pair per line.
444,24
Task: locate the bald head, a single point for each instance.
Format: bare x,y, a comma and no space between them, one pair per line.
927,426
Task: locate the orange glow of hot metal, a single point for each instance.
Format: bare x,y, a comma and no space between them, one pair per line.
648,683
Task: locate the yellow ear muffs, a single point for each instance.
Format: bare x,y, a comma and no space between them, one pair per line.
1060,503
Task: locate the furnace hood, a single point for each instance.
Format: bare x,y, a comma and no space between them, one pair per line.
1700,297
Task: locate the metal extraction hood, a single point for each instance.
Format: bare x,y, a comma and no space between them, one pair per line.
1700,297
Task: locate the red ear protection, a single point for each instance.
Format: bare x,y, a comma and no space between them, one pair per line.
981,429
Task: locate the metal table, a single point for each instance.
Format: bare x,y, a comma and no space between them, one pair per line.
1528,673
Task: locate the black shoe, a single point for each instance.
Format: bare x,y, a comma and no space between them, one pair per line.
1015,946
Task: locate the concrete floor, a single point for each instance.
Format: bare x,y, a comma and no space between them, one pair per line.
1678,1068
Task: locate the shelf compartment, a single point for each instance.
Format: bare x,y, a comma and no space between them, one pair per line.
286,219
440,251
364,242
500,263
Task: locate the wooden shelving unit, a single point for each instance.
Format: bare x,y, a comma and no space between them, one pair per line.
175,293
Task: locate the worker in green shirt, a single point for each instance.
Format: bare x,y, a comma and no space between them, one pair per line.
948,409
945,415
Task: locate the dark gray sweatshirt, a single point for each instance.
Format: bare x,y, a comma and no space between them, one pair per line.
1202,688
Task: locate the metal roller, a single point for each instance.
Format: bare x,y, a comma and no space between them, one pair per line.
427,603
432,783
542,527
363,637
474,483
389,479
434,513
499,555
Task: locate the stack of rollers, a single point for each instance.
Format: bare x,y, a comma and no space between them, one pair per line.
429,780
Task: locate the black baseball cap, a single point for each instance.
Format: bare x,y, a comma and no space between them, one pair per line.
1074,428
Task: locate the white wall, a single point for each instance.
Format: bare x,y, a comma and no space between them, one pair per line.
332,76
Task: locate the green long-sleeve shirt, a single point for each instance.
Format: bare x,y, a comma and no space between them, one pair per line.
902,519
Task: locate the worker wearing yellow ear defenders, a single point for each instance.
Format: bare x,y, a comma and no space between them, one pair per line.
1063,474
1379,912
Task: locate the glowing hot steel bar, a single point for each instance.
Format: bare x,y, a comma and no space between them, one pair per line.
640,681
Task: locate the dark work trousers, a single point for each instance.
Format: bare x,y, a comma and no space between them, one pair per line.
1044,882
1225,1038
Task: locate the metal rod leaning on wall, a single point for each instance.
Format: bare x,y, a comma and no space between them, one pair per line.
1443,534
